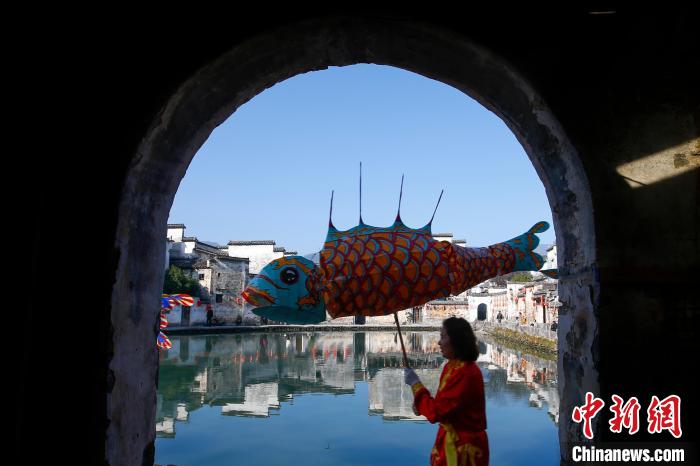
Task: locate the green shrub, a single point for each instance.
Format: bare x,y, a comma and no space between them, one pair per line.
176,281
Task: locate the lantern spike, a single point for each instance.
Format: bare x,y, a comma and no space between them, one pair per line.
436,206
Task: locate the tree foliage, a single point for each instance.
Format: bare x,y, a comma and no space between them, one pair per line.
177,281
519,277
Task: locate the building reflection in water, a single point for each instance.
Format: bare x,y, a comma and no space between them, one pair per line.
254,374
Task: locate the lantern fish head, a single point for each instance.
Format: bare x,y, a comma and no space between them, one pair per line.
285,290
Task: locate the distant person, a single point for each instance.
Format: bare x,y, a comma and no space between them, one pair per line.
239,320
499,317
459,404
210,314
554,326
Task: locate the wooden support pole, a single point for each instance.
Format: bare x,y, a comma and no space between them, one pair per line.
403,348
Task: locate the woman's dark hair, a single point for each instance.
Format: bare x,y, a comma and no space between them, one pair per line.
462,338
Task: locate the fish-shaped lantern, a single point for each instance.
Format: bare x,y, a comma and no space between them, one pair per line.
372,271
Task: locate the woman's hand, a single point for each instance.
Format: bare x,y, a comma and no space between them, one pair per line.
410,377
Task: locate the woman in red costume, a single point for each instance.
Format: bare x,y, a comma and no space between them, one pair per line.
459,404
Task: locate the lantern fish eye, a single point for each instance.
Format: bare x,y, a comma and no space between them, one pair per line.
289,275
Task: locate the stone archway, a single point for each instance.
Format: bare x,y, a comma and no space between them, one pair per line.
216,91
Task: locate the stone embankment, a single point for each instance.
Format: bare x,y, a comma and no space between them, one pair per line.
534,338
539,339
199,330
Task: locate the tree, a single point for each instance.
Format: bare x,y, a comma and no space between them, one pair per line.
500,281
176,281
519,277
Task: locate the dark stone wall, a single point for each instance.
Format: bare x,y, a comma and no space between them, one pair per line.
623,86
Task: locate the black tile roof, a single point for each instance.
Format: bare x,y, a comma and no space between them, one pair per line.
232,258
255,242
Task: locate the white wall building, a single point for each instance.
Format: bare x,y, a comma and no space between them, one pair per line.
443,237
551,262
513,290
479,302
258,252
176,231
221,279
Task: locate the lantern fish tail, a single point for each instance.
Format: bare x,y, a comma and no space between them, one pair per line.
523,246
471,266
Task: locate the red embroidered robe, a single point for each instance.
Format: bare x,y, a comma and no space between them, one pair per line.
460,408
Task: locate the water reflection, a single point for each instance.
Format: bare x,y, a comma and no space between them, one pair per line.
254,375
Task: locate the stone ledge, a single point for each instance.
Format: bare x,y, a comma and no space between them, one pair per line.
198,330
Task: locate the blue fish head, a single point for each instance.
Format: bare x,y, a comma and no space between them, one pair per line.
285,291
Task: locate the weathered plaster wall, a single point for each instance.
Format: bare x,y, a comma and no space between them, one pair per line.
206,288
198,315
230,279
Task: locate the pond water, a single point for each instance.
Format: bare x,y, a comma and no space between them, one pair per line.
322,398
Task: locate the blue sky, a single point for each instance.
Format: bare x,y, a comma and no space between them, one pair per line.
267,172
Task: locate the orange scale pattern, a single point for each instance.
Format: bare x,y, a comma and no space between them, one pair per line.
383,272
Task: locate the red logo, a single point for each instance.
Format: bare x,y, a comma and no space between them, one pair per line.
587,412
626,415
665,415
661,415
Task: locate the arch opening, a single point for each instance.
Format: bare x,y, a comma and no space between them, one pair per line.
481,312
210,97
